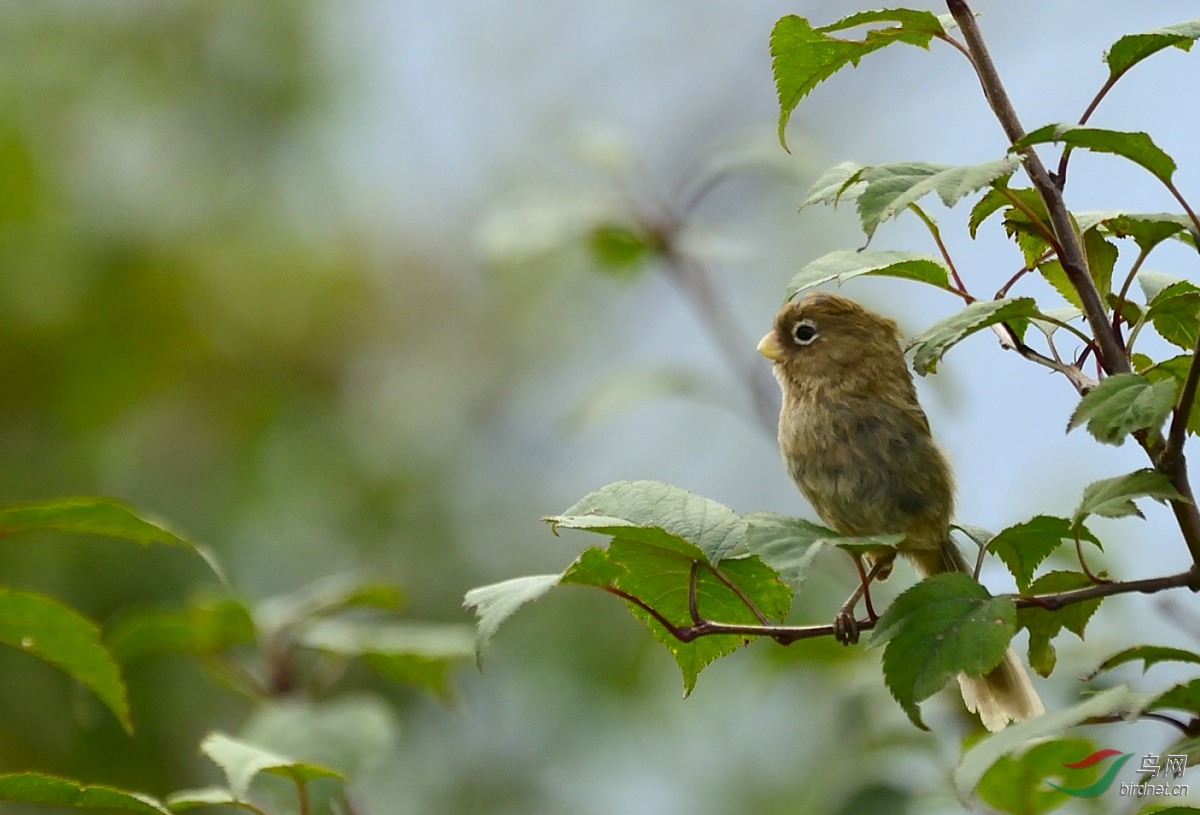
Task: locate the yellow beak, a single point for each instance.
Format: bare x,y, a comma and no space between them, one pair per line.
770,348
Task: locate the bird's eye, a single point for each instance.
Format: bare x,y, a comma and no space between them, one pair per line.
804,332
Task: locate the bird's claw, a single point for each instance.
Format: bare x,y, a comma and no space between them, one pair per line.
845,627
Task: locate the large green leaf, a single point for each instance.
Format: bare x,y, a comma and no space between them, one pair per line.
1148,229
945,625
1133,48
61,636
790,545
929,347
843,264
802,57
87,516
1136,147
39,788
1122,404
1019,784
1044,625
1024,546
660,514
1113,497
207,626
1175,370
1175,313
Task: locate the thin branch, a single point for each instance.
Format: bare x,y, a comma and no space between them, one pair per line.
1187,397
1189,728
1071,253
1011,342
1149,585
1087,114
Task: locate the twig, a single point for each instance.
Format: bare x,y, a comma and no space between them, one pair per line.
1189,728
960,288
1071,253
1011,342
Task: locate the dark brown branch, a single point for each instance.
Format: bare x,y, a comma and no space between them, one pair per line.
1087,114
1149,585
1071,253
1190,728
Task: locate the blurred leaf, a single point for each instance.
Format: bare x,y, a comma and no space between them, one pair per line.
1015,738
205,627
497,602
1113,497
1136,147
87,516
420,653
39,788
241,761
658,513
1044,625
1185,696
1131,49
844,264
62,637
350,734
619,250
208,796
929,347
891,188
802,56
324,598
878,797
659,577
1175,312
945,625
1149,654
1022,547
1019,784
1122,404
628,388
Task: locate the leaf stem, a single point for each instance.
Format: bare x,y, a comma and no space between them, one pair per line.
931,225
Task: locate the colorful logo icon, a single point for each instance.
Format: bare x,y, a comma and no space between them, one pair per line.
1103,782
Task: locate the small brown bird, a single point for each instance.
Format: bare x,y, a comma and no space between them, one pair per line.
857,444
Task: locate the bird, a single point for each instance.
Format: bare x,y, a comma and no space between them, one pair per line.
854,439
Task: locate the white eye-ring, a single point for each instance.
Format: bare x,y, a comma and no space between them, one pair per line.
804,332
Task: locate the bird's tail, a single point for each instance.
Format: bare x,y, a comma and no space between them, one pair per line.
1003,695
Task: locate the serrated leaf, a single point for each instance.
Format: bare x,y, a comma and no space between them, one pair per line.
54,633
945,625
802,57
1133,48
1153,283
1052,272
658,513
659,577
790,545
1150,655
1019,784
890,188
1022,547
1185,696
40,788
1113,497
241,761
844,264
205,627
1122,404
1021,735
1148,229
1000,198
497,602
835,184
1175,313
418,653
929,347
1136,147
1044,625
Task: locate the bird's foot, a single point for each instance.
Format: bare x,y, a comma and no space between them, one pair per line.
845,627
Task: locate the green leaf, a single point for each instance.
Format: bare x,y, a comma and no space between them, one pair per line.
891,188
945,625
207,626
419,653
1022,547
184,800
1053,273
1147,229
1019,784
1133,48
497,602
1113,497
1044,625
1175,369
835,184
1101,257
324,598
1020,736
660,514
1153,283
802,56
86,516
1122,404
39,788
844,264
787,545
67,640
1179,697
1136,147
1175,313
241,761
1149,655
659,577
618,249
928,348
1000,198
